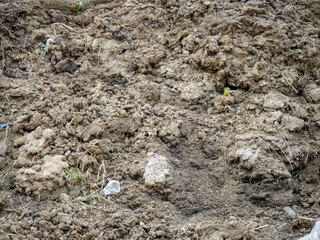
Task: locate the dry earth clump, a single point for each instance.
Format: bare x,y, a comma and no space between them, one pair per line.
134,91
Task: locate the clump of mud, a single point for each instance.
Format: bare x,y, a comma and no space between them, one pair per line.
207,112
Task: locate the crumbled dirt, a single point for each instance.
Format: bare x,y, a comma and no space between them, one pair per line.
134,91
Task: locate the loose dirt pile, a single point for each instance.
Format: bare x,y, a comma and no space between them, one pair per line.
134,91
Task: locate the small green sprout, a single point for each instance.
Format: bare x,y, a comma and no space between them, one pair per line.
76,175
79,6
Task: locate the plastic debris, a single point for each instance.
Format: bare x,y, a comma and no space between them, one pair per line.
226,90
315,233
49,40
289,211
185,226
5,124
112,187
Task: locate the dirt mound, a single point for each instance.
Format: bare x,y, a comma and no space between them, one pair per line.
207,112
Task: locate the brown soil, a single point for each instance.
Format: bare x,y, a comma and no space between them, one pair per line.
128,83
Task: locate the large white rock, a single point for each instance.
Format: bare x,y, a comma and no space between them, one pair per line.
157,171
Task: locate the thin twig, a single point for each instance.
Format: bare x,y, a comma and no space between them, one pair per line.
6,29
261,227
46,235
7,172
70,28
309,219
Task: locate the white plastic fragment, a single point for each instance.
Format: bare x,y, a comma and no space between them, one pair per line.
49,40
185,226
315,233
112,187
289,211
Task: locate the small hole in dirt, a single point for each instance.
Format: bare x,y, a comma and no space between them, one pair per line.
128,135
135,177
300,92
230,86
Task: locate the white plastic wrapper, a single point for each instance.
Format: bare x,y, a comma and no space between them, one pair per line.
112,187
315,233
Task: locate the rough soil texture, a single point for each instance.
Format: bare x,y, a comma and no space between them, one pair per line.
134,91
